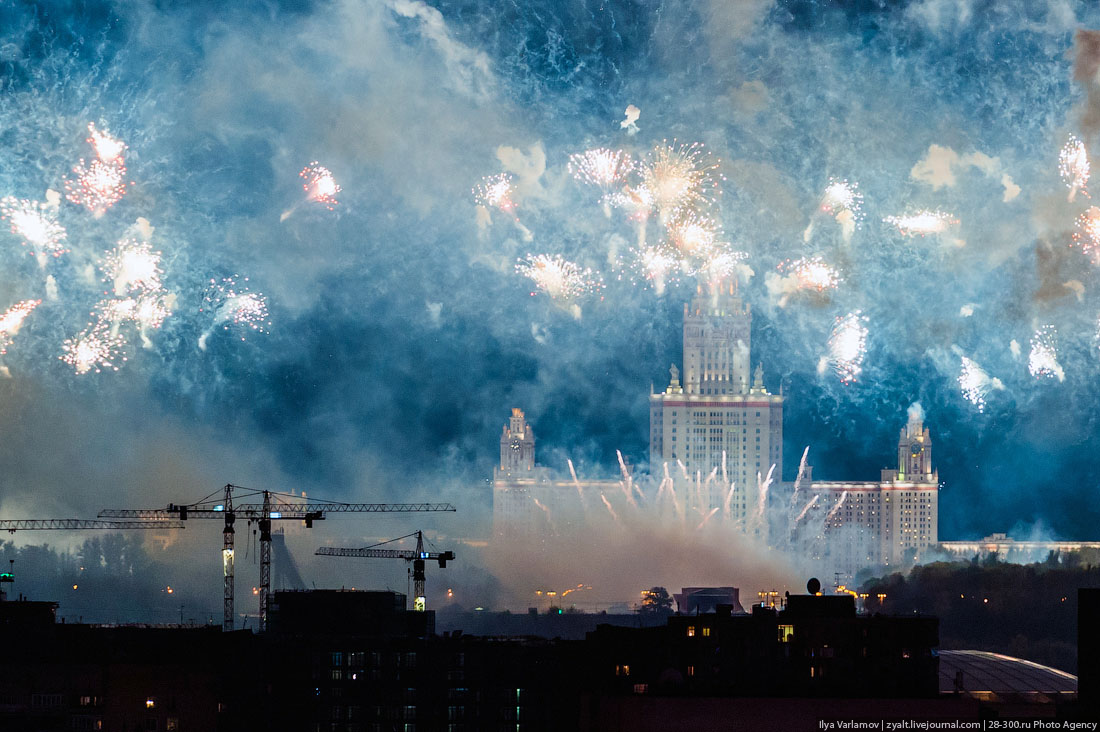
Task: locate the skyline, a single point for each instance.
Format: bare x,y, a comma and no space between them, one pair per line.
399,335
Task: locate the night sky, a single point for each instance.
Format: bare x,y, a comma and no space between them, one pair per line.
400,332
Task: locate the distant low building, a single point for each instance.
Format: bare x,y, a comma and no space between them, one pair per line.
695,600
815,646
1014,550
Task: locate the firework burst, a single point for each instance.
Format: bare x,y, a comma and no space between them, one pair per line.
847,346
603,168
234,304
36,223
975,383
657,265
495,191
811,273
319,185
98,185
1087,235
636,201
1042,361
842,195
722,265
96,349
922,222
558,277
149,310
680,177
133,265
694,236
1073,164
12,320
107,148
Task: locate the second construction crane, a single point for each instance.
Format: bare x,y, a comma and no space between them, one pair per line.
417,557
274,507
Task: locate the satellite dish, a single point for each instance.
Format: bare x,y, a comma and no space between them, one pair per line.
813,586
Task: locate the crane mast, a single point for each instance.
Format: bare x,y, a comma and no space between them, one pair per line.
227,558
417,557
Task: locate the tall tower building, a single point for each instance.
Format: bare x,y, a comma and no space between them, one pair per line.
718,417
891,523
517,445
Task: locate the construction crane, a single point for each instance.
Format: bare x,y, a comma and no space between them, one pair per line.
13,525
417,557
273,507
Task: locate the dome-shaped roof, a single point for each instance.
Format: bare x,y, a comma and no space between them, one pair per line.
984,672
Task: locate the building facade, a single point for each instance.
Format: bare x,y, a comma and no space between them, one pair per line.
532,502
718,418
889,523
718,436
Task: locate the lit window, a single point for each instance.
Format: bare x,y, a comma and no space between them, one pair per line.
706,632
150,703
785,633
691,631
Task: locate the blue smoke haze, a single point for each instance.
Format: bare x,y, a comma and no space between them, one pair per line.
401,334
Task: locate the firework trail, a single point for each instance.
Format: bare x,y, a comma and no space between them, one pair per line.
558,277
12,320
37,224
627,482
847,346
975,383
762,494
922,222
669,486
232,303
706,518
132,265
801,473
549,518
836,509
95,349
680,178
1042,361
726,501
576,481
1087,235
1073,164
806,509
843,201
610,510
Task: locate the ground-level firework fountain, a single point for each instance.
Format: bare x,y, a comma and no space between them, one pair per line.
712,507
